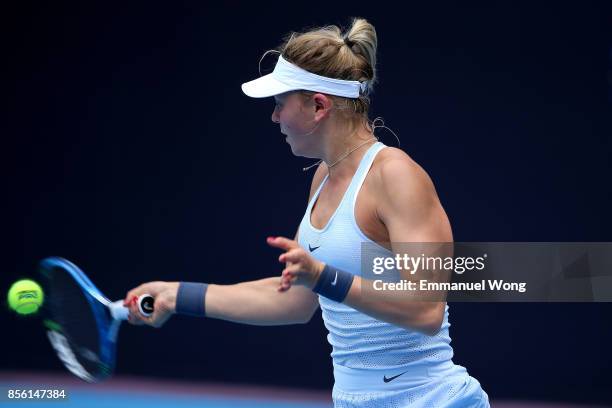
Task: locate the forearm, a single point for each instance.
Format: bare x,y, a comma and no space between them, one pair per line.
259,303
340,286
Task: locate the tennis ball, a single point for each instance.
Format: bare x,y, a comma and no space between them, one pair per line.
25,296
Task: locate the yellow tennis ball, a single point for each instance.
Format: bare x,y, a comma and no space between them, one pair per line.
25,296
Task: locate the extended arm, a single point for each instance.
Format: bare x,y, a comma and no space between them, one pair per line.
258,302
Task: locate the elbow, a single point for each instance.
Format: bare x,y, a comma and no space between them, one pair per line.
304,318
433,319
432,328
427,328
303,321
429,324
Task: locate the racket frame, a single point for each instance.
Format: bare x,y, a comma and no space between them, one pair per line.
108,315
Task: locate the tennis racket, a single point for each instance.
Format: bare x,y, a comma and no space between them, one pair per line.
82,324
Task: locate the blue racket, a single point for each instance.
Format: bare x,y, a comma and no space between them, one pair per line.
82,324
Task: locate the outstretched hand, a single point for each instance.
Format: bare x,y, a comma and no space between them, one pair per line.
300,269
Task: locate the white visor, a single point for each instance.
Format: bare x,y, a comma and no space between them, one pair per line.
288,77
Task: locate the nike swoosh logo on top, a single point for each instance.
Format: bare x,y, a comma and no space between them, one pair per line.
312,249
335,279
385,379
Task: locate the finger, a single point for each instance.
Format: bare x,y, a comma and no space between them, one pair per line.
133,307
294,255
287,279
137,291
282,243
128,298
137,318
285,284
134,321
158,318
282,285
288,282
159,315
152,288
148,320
291,271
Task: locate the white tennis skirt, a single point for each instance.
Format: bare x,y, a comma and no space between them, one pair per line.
446,386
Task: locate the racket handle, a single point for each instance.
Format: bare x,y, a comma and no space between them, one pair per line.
145,304
120,312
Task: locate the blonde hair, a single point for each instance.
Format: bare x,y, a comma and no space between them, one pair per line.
329,52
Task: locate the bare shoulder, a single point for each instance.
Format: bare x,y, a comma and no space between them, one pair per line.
395,170
407,202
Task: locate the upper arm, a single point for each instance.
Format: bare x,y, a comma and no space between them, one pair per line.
411,211
409,206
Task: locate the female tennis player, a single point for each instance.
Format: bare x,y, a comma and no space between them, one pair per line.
386,353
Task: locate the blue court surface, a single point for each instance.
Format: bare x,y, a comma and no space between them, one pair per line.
124,392
130,392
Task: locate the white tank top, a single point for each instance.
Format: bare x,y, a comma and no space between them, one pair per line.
359,341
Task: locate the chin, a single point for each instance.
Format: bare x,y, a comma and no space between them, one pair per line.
298,149
291,144
295,151
306,155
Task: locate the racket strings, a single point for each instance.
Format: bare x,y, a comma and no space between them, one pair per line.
70,309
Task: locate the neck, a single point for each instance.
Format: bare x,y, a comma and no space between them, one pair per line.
343,155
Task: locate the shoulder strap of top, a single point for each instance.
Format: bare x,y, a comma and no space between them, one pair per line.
316,194
363,169
358,177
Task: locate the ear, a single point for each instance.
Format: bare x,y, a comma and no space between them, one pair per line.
322,104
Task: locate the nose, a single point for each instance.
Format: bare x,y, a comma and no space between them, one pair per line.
275,117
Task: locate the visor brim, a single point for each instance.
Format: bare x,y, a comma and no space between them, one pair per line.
264,87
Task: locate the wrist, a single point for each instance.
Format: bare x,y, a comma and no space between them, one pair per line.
319,267
191,299
172,292
333,283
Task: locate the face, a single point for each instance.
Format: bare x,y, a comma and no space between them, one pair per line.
295,114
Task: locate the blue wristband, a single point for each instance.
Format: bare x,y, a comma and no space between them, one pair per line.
190,299
333,283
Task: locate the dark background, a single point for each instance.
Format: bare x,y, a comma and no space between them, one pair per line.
129,148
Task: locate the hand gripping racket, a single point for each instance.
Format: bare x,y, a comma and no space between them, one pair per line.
82,324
